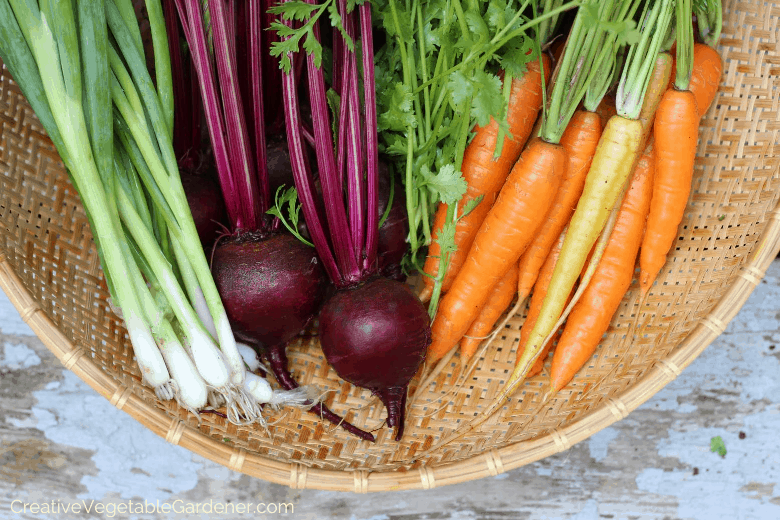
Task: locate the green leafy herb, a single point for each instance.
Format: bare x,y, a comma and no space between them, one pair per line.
397,114
718,446
448,184
291,37
288,197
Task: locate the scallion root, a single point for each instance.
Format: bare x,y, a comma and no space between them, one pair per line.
166,391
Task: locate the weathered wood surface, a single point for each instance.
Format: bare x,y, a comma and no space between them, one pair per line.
61,444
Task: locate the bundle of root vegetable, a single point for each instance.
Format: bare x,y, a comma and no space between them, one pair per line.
248,167
603,187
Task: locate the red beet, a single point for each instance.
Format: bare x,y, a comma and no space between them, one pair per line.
381,345
392,245
373,331
277,359
207,206
271,288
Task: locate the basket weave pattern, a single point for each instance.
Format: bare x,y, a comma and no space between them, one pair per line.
50,270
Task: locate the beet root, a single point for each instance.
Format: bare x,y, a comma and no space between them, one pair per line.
375,335
207,206
392,245
277,359
271,288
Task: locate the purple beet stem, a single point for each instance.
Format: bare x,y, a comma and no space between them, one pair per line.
277,358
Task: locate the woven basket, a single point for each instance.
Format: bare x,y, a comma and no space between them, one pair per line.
50,271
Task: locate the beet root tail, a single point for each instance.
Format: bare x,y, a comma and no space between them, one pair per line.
394,399
277,358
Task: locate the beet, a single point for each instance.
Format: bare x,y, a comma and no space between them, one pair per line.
276,357
392,245
271,287
374,331
279,169
381,345
207,206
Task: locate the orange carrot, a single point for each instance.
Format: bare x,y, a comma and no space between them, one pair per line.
705,77
498,301
590,317
676,131
579,141
504,235
485,174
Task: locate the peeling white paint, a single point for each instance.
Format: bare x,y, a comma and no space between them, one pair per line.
723,486
754,368
18,357
12,323
74,415
589,512
22,424
599,443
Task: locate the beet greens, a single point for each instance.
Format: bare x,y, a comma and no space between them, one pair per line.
271,284
373,331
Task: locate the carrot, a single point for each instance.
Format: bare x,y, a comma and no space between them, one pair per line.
705,76
657,86
590,317
618,150
579,140
676,134
540,289
498,301
485,174
504,235
529,192
676,131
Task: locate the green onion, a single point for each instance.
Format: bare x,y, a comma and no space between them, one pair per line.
81,66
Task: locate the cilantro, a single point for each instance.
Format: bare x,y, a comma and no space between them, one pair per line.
516,55
290,198
448,184
447,239
297,10
718,446
436,80
488,101
397,114
469,206
290,37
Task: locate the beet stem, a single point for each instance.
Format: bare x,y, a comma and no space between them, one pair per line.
302,174
372,147
277,358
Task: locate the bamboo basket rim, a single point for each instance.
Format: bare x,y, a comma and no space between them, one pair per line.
491,463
